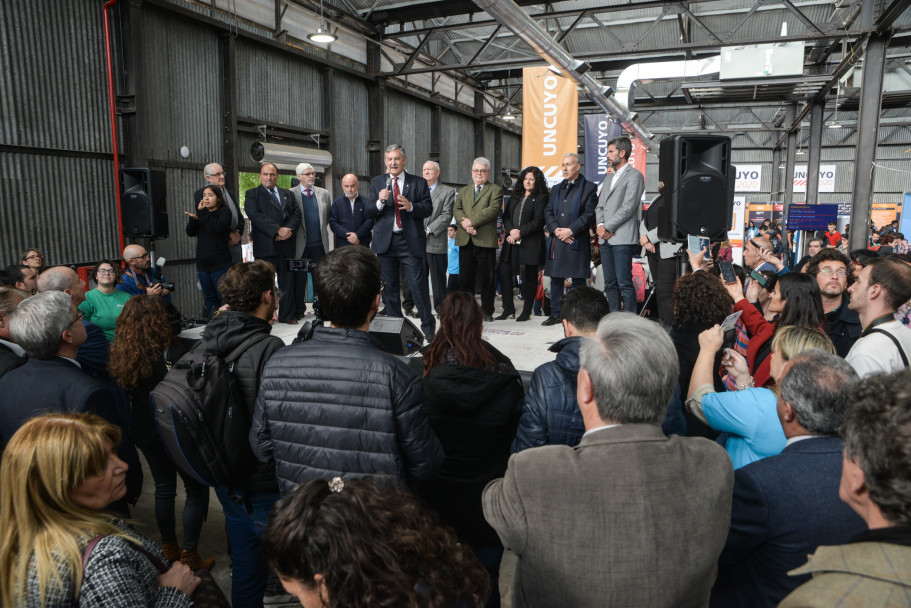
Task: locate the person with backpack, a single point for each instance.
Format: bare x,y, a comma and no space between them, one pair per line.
240,337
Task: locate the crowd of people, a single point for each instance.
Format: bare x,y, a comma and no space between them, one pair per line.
694,461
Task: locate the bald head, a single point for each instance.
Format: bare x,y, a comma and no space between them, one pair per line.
136,257
752,248
350,185
65,279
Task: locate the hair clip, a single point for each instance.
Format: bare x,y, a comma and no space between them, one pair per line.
336,485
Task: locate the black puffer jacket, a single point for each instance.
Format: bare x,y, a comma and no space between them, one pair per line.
474,412
335,405
222,335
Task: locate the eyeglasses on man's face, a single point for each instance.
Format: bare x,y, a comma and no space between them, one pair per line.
140,257
839,272
34,256
79,316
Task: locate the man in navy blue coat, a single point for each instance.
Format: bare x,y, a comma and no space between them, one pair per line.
398,203
348,216
786,506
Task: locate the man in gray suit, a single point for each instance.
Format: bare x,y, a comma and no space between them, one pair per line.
629,517
617,217
435,260
313,237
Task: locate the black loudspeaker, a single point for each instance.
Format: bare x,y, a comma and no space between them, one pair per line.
143,203
396,335
698,187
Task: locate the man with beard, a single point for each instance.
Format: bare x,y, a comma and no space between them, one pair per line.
832,270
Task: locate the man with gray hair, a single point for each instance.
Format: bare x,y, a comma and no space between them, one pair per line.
567,220
876,484
786,506
476,209
215,176
313,236
11,354
436,225
398,203
48,327
646,514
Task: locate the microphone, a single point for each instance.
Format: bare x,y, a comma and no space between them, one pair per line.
388,185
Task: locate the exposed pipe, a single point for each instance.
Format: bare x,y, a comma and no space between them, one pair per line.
661,70
109,61
516,20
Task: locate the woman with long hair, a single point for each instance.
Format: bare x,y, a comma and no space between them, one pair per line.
796,300
473,398
34,259
523,247
354,544
140,357
103,304
211,225
59,547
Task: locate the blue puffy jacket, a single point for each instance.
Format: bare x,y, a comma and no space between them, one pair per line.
550,414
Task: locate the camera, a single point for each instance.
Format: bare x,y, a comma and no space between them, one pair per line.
298,265
164,285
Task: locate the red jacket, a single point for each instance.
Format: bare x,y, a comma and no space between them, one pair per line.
761,331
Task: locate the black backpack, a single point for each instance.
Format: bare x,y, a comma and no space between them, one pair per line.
200,416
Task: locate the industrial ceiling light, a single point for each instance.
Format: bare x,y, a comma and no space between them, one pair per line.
322,33
509,115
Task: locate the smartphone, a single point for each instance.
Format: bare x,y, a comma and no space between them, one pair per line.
727,272
759,279
697,243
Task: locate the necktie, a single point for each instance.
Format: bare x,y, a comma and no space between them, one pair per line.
477,192
307,192
278,201
395,197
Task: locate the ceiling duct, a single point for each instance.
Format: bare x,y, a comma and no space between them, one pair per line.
663,70
516,20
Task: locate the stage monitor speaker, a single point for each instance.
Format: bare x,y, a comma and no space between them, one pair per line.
143,203
698,187
396,335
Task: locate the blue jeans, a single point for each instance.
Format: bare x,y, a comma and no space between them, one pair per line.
209,283
245,531
617,263
490,557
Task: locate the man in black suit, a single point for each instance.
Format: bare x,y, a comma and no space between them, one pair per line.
784,507
215,176
398,204
11,354
274,219
348,216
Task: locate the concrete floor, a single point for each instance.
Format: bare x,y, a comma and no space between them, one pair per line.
525,343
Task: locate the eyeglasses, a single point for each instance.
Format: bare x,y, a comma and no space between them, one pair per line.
480,170
140,257
79,317
219,174
109,271
34,256
839,272
309,173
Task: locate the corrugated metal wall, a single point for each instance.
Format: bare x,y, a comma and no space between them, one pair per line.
456,147
408,124
53,98
351,120
511,149
278,88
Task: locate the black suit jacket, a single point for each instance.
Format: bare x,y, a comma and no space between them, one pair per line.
52,385
417,191
240,225
266,218
9,360
342,221
531,228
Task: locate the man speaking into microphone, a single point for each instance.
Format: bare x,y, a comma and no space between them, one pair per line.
398,203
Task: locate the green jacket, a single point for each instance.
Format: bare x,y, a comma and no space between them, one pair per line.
483,214
867,574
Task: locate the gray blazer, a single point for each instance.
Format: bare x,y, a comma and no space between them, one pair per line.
629,517
619,209
324,203
443,198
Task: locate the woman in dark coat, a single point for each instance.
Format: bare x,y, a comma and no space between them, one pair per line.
211,225
523,247
473,398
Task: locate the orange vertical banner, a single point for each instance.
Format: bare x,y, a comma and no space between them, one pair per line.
637,157
550,115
